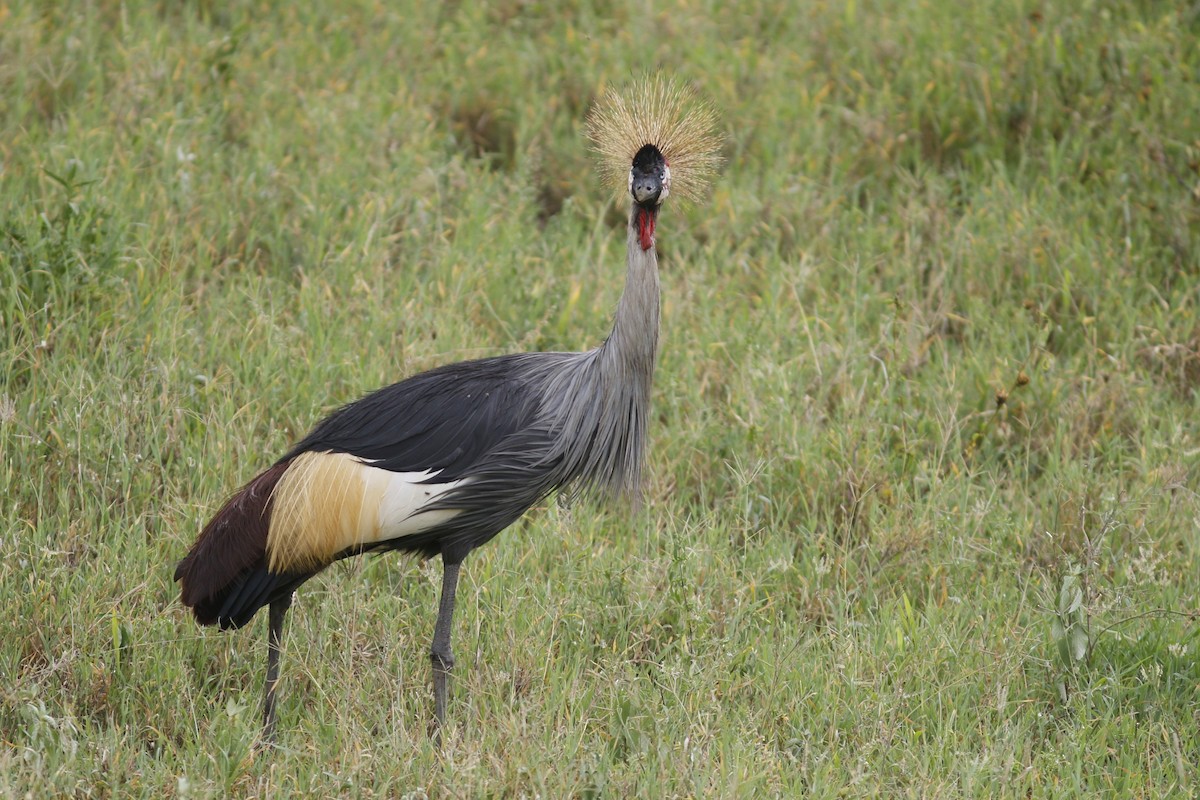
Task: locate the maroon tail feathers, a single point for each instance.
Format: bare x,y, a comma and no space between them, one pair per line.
224,578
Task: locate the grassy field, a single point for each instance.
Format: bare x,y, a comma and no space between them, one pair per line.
922,514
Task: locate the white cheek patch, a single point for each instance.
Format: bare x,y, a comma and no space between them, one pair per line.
629,188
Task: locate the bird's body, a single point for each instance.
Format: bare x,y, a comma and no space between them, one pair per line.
441,462
436,464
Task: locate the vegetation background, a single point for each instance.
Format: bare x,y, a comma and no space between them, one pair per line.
922,515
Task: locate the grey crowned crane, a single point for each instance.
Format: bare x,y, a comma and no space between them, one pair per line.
441,462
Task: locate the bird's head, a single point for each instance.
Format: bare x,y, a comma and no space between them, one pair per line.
655,138
649,177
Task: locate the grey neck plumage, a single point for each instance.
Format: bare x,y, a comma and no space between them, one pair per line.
631,348
597,402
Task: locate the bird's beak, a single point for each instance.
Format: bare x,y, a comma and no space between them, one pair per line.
646,187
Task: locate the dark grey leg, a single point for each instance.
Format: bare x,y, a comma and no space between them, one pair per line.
439,654
274,634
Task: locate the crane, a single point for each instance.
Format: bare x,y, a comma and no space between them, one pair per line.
441,462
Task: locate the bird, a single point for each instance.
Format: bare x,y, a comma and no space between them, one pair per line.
439,463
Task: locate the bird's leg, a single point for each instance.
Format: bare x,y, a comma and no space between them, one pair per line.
274,634
439,654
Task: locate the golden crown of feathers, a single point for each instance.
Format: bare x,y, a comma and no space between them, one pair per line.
654,110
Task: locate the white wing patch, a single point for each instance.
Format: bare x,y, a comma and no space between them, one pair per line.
405,495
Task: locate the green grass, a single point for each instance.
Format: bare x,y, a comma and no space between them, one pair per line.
930,364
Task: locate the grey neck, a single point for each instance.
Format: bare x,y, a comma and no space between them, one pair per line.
597,402
633,344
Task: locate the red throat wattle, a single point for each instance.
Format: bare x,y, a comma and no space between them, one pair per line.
645,223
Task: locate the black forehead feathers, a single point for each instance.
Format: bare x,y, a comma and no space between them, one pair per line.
648,159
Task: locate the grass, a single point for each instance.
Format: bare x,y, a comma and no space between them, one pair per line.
922,510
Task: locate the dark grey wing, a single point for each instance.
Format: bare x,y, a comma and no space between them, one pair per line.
444,420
